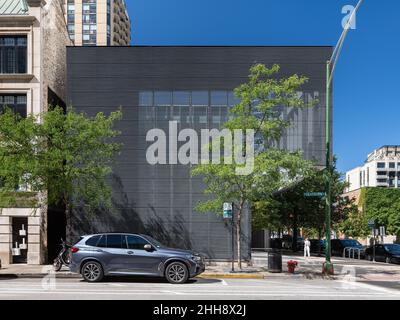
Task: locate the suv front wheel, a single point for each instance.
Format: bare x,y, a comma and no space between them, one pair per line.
177,273
92,271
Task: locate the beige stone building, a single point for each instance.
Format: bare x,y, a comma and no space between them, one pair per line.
98,22
33,40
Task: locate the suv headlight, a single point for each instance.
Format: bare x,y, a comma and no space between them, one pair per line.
195,258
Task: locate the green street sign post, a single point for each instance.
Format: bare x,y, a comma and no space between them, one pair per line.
228,214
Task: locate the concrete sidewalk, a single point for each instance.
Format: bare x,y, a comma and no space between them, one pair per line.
34,271
310,268
343,268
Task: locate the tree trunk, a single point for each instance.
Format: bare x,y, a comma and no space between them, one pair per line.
238,233
319,241
295,231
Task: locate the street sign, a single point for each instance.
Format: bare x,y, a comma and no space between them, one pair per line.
227,210
371,224
314,194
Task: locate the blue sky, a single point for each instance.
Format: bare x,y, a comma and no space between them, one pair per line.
366,84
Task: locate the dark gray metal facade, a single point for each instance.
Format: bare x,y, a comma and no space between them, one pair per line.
193,85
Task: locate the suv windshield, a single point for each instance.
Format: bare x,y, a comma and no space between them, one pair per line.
393,248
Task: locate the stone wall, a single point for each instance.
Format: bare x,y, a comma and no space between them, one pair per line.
55,40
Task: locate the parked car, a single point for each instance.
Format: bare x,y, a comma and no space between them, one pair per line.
276,243
109,254
287,242
317,246
338,246
389,253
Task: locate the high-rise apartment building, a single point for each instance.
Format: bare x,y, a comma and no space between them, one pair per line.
98,22
381,169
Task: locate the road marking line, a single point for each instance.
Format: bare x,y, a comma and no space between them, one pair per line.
369,286
173,292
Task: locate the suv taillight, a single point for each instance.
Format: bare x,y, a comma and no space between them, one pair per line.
74,250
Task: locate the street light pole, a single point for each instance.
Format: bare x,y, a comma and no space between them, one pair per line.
330,69
328,267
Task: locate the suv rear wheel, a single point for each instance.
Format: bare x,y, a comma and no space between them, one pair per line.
177,273
92,271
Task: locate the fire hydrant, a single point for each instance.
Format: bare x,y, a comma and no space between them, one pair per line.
291,265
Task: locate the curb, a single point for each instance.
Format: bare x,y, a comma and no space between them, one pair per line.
230,276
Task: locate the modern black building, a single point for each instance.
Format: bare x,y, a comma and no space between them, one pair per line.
193,86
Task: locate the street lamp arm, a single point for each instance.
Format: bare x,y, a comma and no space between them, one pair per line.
339,46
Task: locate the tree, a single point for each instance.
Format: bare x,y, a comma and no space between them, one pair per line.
292,210
383,205
64,156
355,223
273,168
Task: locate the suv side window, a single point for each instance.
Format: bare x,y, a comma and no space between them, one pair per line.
102,242
92,241
136,242
115,241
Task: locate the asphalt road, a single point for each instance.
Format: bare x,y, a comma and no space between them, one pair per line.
199,289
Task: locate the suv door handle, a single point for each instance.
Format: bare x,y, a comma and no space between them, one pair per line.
130,252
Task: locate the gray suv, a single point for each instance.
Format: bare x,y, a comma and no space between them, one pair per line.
99,255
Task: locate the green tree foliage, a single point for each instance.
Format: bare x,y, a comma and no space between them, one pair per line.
290,209
64,156
383,205
355,224
273,168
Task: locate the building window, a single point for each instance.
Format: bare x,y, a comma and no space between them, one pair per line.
71,19
381,165
108,23
16,102
181,98
219,98
146,99
162,98
200,98
392,165
13,54
89,20
232,99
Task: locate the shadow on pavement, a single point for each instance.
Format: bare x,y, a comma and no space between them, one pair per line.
143,279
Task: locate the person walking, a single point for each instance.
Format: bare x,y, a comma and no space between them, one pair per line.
307,245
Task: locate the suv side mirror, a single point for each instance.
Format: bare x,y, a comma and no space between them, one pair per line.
148,247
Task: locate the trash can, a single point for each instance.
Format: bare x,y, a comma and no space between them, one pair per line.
274,261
